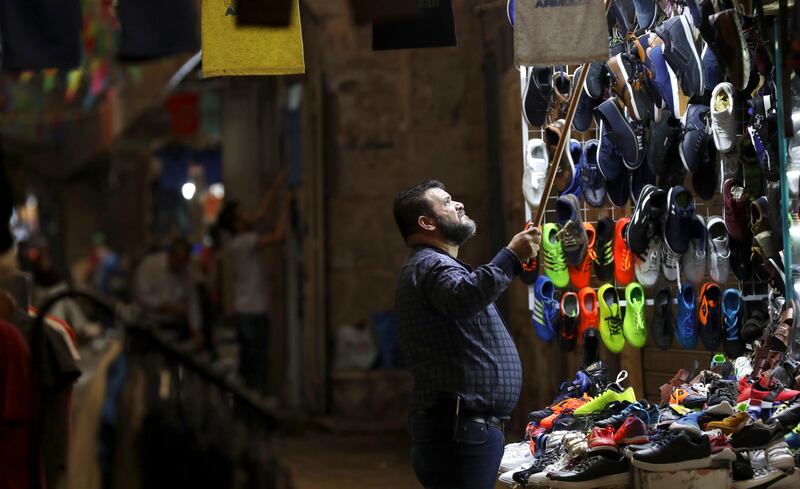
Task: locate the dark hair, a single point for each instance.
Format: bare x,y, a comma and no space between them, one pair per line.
227,216
410,204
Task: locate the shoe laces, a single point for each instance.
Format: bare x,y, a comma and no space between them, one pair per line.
554,258
591,256
568,238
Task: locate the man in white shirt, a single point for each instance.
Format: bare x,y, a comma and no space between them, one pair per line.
250,281
164,288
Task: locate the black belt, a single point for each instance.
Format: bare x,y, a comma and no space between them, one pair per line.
488,420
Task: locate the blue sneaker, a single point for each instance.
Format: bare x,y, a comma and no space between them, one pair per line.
584,112
593,183
646,13
731,323
711,70
663,144
617,129
678,221
537,96
661,77
609,159
681,53
689,424
686,330
695,137
619,190
545,308
576,152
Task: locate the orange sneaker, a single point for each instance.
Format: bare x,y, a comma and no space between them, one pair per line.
623,257
590,314
570,404
580,275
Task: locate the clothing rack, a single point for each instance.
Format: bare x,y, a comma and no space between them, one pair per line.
135,326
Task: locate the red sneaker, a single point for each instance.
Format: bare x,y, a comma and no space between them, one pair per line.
602,440
623,257
768,390
581,274
632,432
721,449
590,314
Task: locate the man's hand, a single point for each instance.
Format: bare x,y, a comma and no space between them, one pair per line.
526,244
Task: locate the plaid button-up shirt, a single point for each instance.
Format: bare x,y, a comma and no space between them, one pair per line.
451,334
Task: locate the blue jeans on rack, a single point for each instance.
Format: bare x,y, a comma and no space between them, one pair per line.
441,463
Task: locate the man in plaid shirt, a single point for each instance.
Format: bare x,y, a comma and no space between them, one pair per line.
467,373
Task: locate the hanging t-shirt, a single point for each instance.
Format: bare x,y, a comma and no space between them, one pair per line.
39,34
249,277
152,29
15,407
232,50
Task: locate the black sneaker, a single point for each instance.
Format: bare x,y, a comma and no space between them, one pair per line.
537,96
662,324
646,218
663,144
640,178
677,225
594,471
543,456
675,452
619,189
695,137
789,417
617,129
584,112
681,53
705,179
774,215
642,409
598,375
604,245
720,392
757,435
741,469
741,266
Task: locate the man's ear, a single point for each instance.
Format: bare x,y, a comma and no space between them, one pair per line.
426,223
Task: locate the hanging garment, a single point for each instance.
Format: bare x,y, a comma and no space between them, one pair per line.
232,50
551,32
433,26
152,29
39,34
15,407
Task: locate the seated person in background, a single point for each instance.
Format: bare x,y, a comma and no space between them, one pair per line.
164,288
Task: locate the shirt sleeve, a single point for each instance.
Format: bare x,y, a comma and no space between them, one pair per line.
458,293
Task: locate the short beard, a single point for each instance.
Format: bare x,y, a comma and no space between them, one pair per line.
456,233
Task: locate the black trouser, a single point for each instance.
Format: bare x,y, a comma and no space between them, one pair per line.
441,463
252,332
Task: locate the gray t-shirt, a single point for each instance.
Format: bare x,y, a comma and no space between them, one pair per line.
251,295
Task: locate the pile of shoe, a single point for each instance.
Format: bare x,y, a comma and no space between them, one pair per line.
595,430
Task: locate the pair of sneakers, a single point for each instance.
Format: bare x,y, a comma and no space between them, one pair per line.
616,329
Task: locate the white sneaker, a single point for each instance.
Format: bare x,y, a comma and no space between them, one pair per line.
575,449
723,121
669,263
762,477
779,456
516,454
535,172
694,260
742,367
647,270
719,252
507,477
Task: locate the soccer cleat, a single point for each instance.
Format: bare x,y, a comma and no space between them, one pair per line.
554,260
607,397
570,311
590,314
623,257
634,328
545,308
684,395
686,330
604,246
581,274
709,321
632,432
610,319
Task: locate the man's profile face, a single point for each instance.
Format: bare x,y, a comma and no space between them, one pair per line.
451,218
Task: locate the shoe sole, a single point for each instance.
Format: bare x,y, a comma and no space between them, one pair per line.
697,463
727,455
603,449
622,479
636,440
525,96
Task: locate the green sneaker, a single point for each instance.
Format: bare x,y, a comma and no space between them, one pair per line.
610,319
600,402
555,264
742,406
634,327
